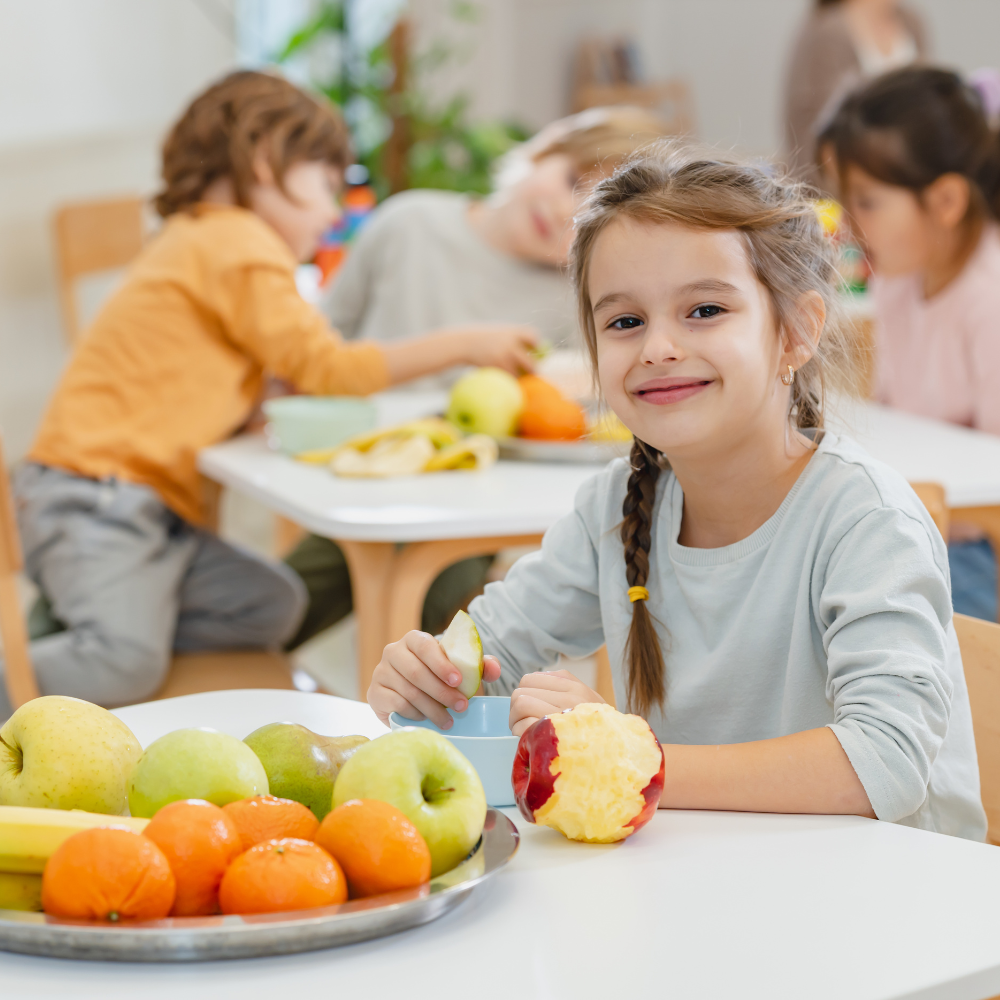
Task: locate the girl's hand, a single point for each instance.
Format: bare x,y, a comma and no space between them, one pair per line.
546,693
415,679
500,345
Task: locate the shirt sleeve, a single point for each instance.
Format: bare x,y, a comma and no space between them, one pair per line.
264,315
886,604
548,604
984,361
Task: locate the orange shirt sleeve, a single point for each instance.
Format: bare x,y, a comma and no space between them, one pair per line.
265,316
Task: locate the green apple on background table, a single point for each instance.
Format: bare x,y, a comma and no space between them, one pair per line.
195,764
427,779
486,401
64,753
300,764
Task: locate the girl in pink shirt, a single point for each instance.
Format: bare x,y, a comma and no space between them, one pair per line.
920,173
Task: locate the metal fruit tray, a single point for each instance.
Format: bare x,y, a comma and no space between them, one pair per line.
200,939
583,452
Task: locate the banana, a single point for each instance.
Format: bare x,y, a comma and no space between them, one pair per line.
479,451
440,432
29,836
20,892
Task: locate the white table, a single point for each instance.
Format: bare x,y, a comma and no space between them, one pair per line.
696,905
442,517
452,515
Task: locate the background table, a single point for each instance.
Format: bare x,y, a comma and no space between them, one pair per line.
441,518
696,906
452,515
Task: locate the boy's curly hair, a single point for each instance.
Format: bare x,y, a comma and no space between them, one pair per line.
223,129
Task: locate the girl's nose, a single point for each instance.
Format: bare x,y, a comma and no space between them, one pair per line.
659,346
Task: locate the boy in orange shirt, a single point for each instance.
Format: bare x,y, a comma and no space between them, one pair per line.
109,501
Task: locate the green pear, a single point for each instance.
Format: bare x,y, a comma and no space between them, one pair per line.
462,645
195,764
486,401
301,764
426,778
64,753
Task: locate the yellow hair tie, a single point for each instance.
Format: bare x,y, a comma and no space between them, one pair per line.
638,594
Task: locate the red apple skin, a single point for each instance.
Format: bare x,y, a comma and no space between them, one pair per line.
531,776
651,793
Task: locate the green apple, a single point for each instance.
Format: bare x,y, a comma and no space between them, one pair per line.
301,764
486,401
195,764
462,645
427,779
64,753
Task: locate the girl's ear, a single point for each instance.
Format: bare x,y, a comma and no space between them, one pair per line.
947,200
810,318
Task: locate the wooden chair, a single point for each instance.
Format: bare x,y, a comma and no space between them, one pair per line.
932,496
980,644
189,673
90,237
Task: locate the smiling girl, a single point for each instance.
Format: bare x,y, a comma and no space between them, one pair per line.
774,601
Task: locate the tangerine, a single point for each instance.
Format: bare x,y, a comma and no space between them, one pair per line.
286,874
266,817
547,413
108,873
200,842
379,849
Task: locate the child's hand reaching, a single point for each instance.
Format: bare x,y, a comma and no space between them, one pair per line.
546,693
416,679
500,345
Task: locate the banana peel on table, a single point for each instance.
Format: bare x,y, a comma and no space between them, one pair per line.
427,445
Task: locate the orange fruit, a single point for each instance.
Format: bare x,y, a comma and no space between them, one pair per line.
266,817
286,874
108,873
379,849
547,413
199,841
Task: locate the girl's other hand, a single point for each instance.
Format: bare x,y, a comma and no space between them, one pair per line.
415,679
546,693
501,345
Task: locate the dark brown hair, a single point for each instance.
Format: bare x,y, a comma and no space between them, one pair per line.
221,131
912,126
671,185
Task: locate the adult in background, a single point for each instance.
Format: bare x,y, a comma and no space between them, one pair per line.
841,44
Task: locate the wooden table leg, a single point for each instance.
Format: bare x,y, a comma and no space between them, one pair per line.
371,565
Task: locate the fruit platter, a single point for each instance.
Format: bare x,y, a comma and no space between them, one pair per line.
490,415
204,846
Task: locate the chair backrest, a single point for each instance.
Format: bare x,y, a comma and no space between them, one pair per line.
980,644
932,496
90,237
18,673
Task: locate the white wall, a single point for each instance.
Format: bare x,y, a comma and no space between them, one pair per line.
732,52
89,87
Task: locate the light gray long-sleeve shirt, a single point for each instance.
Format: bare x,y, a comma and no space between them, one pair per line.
835,612
418,265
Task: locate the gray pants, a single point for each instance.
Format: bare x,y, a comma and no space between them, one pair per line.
132,582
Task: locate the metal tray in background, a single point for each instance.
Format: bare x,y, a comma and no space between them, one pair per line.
564,452
199,939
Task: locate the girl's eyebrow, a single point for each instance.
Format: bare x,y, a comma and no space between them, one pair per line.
708,285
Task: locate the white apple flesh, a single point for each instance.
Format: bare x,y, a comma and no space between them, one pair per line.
65,753
464,648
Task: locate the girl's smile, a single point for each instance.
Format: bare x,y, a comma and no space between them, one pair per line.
662,391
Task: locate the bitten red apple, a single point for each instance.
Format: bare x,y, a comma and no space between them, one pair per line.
591,773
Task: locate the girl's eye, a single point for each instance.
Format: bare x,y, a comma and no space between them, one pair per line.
706,312
625,323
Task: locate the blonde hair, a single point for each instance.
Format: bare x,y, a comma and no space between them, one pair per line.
672,185
595,139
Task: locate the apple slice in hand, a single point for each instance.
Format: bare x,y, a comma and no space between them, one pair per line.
462,645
